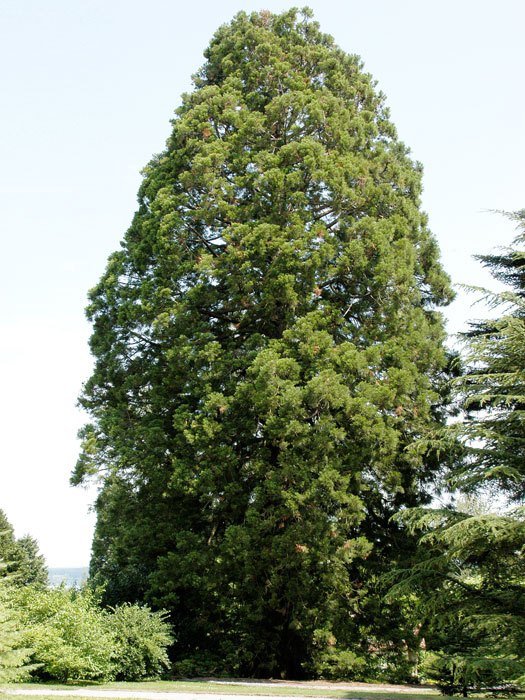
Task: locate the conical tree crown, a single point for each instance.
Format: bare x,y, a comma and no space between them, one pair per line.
267,349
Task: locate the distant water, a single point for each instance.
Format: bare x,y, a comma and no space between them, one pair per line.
72,578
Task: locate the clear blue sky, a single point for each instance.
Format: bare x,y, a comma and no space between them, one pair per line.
87,89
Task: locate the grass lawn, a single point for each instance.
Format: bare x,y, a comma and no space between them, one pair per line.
358,691
361,692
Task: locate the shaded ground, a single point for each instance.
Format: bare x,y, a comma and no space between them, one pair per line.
326,685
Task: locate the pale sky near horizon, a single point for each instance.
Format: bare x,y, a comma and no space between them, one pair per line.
87,89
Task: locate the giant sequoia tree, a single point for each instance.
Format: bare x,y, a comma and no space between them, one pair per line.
267,351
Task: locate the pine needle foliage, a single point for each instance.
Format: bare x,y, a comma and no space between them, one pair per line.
268,348
470,577
494,385
23,561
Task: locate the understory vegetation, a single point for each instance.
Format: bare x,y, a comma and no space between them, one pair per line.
63,635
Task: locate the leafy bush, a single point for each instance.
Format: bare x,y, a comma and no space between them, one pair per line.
204,663
393,665
68,633
13,655
329,661
72,638
141,637
339,664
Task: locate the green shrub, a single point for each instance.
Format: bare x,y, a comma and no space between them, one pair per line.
331,662
391,666
73,639
13,654
201,664
141,638
339,665
68,633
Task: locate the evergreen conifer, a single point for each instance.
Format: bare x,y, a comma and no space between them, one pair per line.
268,349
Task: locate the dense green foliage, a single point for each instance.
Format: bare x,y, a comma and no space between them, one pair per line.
23,561
494,385
470,581
68,634
13,653
471,572
72,638
268,351
141,638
